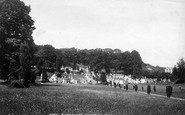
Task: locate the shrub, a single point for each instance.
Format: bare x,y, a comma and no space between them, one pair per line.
136,87
126,86
154,88
148,89
169,90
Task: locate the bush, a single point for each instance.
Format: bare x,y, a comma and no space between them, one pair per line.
154,88
169,90
126,86
148,89
136,87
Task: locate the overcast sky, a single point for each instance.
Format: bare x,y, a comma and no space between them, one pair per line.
155,28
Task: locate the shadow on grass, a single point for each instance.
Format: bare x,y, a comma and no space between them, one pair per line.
38,84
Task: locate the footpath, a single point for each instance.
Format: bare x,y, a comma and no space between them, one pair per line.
180,99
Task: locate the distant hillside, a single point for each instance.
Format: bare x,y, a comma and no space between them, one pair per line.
148,67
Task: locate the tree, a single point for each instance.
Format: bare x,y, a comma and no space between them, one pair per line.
136,64
25,65
181,70
117,50
47,56
174,75
103,77
109,50
59,60
83,56
69,56
175,71
97,60
74,56
126,63
115,64
16,27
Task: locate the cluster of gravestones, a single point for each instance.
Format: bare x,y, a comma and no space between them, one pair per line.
169,88
119,85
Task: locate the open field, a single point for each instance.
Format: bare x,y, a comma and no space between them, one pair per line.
83,99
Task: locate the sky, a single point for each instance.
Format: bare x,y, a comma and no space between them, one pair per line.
155,28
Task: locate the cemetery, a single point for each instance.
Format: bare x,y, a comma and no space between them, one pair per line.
42,79
74,92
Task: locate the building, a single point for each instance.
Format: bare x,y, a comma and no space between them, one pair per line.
168,70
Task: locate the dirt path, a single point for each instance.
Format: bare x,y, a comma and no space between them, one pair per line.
180,99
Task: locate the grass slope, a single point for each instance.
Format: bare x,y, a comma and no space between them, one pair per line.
83,99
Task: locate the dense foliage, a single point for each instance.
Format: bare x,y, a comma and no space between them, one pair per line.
98,59
16,27
179,71
157,75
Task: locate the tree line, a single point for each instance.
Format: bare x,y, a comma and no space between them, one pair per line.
96,59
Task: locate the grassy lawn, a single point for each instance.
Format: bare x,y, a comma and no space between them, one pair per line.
83,99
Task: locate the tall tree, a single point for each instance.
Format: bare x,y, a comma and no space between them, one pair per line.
136,64
16,27
126,63
181,70
174,73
